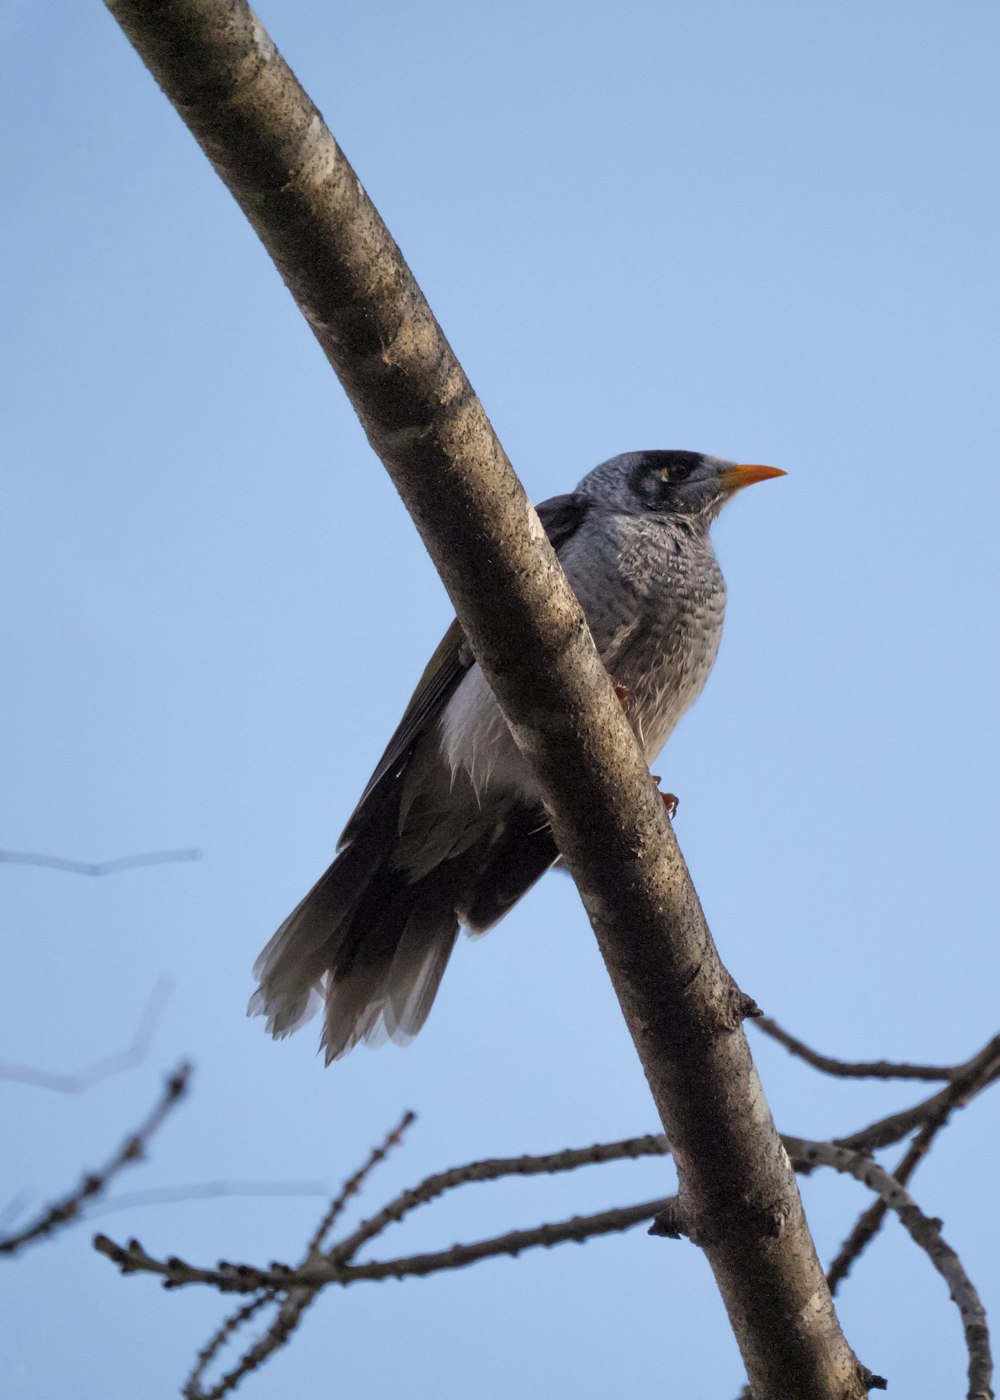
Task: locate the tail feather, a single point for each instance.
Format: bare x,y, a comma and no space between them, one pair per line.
391,998
520,856
375,938
309,942
385,979
413,979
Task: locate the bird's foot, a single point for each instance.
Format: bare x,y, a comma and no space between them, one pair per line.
668,799
622,691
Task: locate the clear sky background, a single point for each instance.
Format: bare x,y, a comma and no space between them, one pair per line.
763,230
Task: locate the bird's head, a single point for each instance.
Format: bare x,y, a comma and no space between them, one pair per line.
684,485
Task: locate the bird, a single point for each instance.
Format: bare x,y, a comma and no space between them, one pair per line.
450,829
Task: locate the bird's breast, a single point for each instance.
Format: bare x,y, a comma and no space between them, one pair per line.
666,672
656,619
655,600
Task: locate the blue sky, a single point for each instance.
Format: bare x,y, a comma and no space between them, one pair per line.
762,230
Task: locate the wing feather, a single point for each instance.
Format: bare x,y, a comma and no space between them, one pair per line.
561,517
441,676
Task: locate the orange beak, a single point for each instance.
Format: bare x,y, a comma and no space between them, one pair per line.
737,477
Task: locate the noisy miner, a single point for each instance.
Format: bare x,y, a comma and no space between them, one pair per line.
450,829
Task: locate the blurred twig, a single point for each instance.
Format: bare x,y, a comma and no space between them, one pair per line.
207,1190
102,867
109,1064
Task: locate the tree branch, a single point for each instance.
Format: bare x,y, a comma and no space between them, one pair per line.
353,1185
96,1183
307,1283
967,1081
925,1232
492,1169
848,1069
101,867
269,144
292,1304
108,1065
255,1356
132,1258
293,1290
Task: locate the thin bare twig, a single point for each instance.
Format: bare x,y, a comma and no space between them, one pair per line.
492,1169
869,1223
848,1069
290,1311
192,1388
926,1233
108,1065
333,1266
101,867
245,1278
297,1300
95,1183
293,1304
968,1080
354,1183
292,1290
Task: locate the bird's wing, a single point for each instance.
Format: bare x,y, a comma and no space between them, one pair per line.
450,662
561,517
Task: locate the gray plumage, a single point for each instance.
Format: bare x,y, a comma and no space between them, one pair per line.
450,829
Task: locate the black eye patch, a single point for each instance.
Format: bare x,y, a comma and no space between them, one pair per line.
675,469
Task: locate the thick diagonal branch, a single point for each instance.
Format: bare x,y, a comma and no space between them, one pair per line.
269,144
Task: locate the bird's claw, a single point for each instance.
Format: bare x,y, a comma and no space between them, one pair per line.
669,799
624,699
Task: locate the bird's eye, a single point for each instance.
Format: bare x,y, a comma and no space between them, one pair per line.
665,473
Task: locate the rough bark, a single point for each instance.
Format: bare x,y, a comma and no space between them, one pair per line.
739,1199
